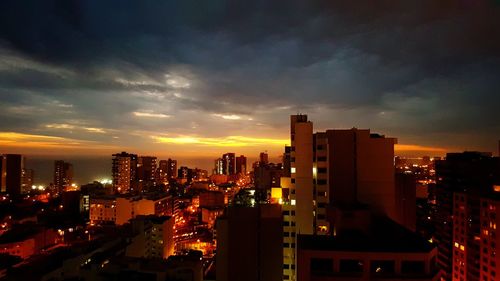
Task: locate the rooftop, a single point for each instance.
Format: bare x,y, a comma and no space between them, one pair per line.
385,236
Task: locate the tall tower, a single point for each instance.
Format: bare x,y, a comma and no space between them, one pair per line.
229,163
11,173
301,135
241,164
172,169
63,174
124,171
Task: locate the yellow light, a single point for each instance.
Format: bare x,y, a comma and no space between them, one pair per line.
276,193
456,245
462,247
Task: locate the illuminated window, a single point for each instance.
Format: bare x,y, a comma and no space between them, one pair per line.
293,170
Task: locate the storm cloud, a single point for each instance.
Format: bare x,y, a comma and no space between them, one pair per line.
123,74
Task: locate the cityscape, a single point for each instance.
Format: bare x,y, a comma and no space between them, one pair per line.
263,141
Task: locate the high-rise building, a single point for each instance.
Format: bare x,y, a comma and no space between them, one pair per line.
489,236
163,171
146,170
11,168
330,171
218,167
241,165
63,175
462,178
124,172
249,244
172,169
28,177
229,164
286,162
356,166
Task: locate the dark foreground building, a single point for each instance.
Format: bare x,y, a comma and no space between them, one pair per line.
249,244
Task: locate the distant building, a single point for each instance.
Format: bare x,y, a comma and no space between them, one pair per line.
241,165
219,167
146,169
163,171
172,169
249,244
124,172
267,175
28,180
229,164
11,168
185,175
120,209
264,158
63,175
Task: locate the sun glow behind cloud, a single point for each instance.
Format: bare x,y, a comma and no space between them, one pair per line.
31,141
230,141
151,115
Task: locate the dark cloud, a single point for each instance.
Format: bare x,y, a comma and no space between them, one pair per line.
411,68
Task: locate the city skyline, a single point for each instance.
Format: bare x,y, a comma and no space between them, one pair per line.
75,81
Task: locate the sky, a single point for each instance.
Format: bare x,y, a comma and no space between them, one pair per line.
191,79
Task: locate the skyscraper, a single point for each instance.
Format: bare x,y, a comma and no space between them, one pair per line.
146,169
63,174
124,172
163,171
331,171
229,164
241,164
172,169
462,179
11,173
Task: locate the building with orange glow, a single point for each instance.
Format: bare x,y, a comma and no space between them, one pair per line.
462,180
124,172
229,164
154,237
26,240
489,266
120,209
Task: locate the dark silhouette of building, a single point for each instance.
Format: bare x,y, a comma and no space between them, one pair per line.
406,200
63,175
249,244
229,164
11,168
241,165
146,171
